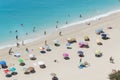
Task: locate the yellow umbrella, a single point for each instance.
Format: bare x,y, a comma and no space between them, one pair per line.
97,52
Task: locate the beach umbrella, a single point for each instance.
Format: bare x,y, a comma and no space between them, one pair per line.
17,54
47,47
65,54
2,63
55,41
80,52
98,40
6,71
81,43
41,63
67,44
31,55
31,69
98,31
97,52
24,69
104,35
86,38
53,74
12,69
20,60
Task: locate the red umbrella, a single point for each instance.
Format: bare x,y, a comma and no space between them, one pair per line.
6,71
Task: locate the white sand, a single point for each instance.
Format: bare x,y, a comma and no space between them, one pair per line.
68,69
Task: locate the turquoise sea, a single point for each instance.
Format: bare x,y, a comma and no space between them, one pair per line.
19,17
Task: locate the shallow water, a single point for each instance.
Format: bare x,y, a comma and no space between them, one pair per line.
24,15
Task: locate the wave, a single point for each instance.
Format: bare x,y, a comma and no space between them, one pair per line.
92,18
68,25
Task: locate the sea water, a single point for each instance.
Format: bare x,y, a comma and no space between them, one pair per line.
28,19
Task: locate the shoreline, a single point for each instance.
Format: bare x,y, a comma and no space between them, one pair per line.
64,68
94,18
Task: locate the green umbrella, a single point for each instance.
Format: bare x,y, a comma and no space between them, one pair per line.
20,60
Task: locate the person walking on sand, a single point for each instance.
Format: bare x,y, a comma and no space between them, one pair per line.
45,42
81,59
18,45
10,51
111,60
60,33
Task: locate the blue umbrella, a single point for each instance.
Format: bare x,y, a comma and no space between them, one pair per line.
67,44
103,35
47,47
98,31
80,52
2,63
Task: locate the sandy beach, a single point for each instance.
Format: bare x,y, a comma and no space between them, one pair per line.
98,68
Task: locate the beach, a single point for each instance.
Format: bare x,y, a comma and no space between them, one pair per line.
99,68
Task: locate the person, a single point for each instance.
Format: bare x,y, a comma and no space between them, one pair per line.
60,33
44,32
16,31
18,45
111,60
81,59
27,50
56,26
10,51
34,29
80,15
66,22
23,43
55,60
45,42
16,37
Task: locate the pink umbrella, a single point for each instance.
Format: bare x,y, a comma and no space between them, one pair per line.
81,44
65,54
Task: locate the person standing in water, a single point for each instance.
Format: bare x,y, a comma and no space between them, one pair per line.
16,37
44,32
